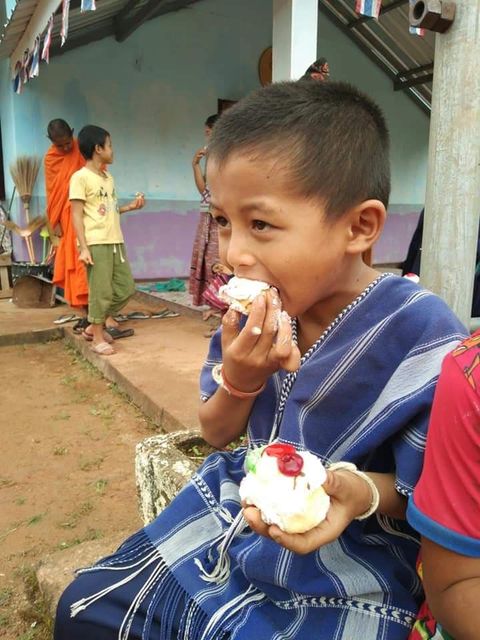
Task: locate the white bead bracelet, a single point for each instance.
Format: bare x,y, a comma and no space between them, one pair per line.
349,466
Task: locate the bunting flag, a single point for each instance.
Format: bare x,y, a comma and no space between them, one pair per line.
17,78
35,65
25,65
88,5
370,8
65,11
47,41
416,31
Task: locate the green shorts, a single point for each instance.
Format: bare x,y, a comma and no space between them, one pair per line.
110,281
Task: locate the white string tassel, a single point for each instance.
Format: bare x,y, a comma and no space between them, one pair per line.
221,571
83,603
122,259
127,621
230,608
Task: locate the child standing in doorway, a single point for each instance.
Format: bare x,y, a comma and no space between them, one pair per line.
299,180
96,217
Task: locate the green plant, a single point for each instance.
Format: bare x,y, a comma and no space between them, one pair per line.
88,465
60,451
37,612
101,486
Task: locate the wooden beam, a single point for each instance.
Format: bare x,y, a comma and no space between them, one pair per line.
385,9
123,13
367,51
400,85
411,72
86,38
452,204
126,26
173,5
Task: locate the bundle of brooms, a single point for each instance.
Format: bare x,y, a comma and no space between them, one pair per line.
24,172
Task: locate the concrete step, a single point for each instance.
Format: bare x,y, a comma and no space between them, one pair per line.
158,368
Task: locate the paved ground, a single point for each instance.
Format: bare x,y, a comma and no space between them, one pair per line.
27,325
158,367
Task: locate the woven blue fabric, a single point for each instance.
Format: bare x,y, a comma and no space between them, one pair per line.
363,394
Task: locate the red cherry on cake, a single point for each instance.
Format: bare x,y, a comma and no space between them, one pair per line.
278,449
290,464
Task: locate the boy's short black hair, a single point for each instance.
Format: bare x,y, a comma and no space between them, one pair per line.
330,139
59,128
89,137
211,120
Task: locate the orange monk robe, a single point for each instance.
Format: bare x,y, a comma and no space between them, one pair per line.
69,273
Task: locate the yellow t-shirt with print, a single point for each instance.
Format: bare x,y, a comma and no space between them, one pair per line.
101,215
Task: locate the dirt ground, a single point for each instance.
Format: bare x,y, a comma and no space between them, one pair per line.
66,471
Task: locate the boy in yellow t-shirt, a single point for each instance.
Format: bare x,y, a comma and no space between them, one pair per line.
96,220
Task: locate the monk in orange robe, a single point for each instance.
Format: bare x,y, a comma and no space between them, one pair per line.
62,160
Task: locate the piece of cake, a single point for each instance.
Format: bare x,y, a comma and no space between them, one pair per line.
286,486
239,293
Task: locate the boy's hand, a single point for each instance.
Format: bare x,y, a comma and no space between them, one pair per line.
350,497
138,203
263,346
85,256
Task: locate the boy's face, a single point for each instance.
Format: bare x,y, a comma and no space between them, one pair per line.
105,153
268,232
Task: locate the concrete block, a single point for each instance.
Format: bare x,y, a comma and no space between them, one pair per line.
162,469
57,570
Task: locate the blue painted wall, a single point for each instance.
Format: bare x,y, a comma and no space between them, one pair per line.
153,92
408,124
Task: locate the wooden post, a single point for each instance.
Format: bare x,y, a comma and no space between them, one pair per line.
452,206
295,24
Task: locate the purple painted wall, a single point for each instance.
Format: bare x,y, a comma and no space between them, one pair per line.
397,233
159,243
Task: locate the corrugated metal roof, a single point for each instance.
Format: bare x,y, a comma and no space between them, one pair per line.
100,20
83,27
13,30
387,41
390,44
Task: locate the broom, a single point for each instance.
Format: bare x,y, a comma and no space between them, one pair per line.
24,172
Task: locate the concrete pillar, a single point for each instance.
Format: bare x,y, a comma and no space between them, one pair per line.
452,206
295,24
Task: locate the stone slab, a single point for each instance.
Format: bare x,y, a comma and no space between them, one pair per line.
158,368
57,570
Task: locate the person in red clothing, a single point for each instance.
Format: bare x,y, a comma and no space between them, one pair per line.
445,506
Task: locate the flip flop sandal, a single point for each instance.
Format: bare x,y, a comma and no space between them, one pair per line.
116,334
138,315
68,317
103,349
121,318
81,325
106,336
167,313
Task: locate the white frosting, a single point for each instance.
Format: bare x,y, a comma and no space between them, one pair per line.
239,293
295,504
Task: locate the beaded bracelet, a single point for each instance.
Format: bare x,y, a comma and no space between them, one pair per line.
219,376
349,466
